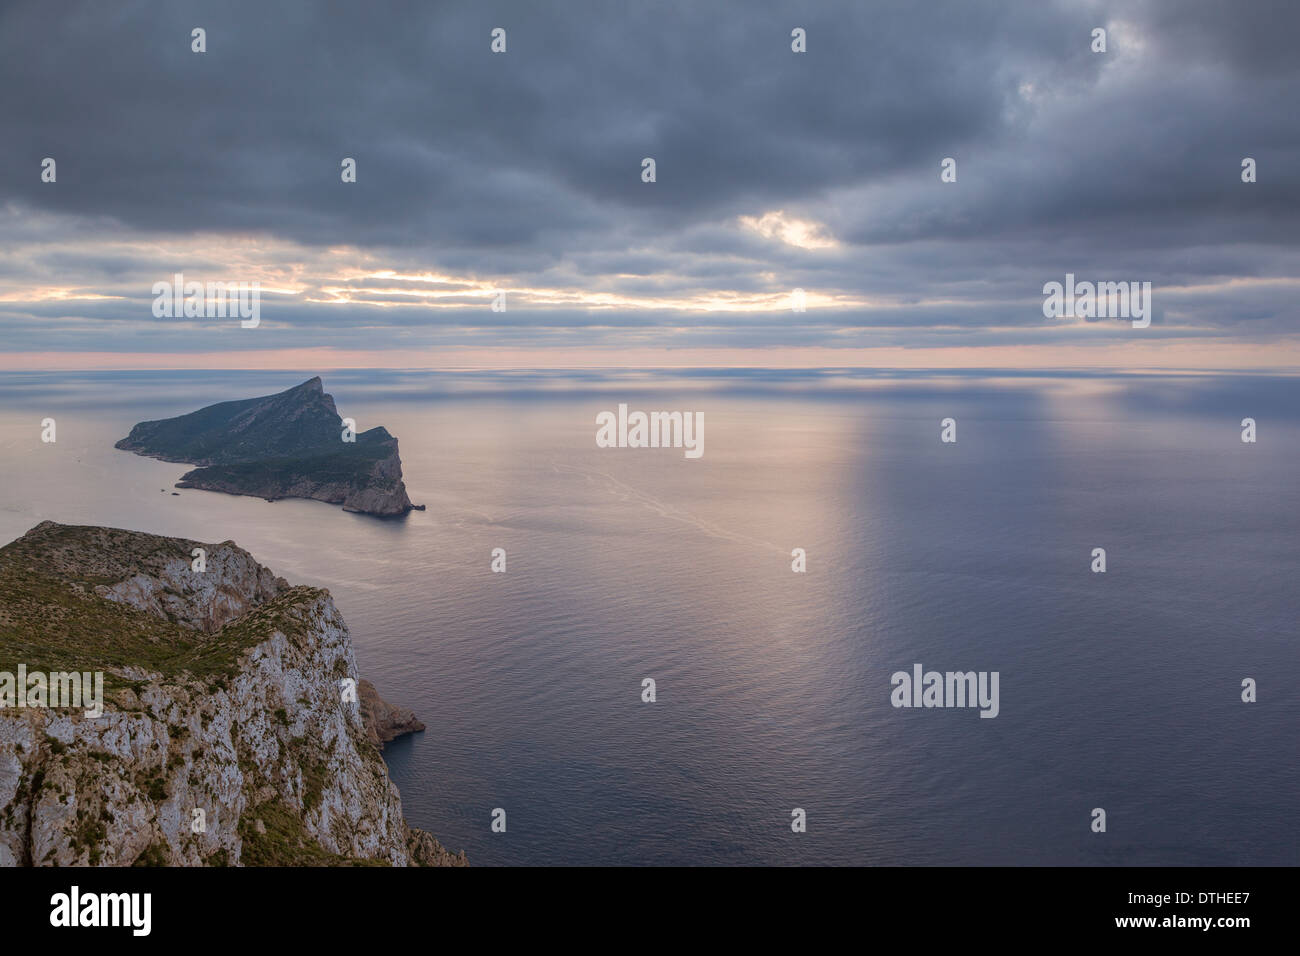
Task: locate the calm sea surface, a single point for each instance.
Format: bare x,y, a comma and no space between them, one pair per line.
1118,690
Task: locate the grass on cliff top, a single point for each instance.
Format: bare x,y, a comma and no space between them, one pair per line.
286,842
51,619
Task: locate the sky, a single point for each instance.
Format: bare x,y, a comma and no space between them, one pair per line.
521,172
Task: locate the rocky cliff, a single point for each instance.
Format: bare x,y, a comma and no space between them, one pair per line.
383,721
230,734
287,445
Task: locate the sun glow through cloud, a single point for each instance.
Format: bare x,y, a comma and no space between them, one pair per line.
801,233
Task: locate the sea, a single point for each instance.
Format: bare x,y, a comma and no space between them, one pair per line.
773,704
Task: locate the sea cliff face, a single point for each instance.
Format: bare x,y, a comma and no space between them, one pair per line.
226,693
287,445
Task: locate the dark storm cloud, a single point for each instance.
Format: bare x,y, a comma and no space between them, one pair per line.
456,145
525,167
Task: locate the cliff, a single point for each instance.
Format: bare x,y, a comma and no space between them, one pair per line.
287,445
226,691
383,721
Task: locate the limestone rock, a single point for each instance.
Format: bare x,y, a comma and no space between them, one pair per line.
224,694
383,721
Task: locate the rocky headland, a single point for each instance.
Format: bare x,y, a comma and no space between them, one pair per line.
235,729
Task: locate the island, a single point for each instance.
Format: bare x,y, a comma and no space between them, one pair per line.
287,445
216,715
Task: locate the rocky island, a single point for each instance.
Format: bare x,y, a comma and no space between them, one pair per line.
288,445
230,729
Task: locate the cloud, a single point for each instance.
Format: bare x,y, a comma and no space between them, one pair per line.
521,171
801,233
